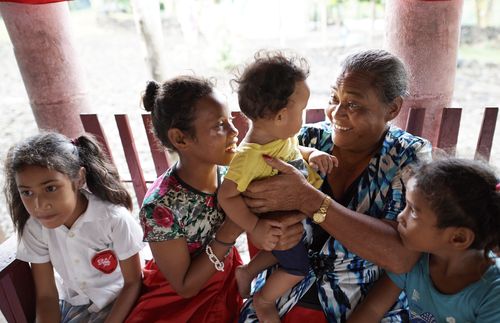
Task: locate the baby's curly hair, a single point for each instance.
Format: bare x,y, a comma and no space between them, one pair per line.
266,84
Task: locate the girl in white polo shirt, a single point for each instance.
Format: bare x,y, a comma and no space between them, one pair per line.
72,214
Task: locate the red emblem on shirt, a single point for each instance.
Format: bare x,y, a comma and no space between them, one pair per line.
105,261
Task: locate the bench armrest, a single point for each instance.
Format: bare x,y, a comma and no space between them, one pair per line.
17,289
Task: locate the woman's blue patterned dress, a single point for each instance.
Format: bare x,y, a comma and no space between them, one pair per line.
342,277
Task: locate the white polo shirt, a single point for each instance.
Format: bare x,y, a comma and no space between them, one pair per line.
101,234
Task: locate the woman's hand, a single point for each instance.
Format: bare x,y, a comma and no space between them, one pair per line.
283,192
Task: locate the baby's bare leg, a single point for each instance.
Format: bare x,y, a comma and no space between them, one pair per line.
246,273
265,300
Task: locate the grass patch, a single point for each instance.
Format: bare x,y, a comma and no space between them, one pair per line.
483,54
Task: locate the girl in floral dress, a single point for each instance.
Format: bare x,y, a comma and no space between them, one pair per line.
191,278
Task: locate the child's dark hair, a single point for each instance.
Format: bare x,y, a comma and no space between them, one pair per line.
266,84
173,104
55,151
463,193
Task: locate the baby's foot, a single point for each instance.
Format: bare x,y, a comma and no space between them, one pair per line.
244,280
266,310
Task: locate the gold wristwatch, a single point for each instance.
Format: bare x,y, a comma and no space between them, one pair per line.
320,215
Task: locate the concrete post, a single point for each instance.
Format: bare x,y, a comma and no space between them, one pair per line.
43,46
425,35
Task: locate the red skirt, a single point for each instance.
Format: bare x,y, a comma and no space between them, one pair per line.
299,314
218,301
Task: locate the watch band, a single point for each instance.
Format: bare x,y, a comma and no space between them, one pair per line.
320,215
325,204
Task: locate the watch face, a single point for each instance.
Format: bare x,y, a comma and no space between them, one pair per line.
318,217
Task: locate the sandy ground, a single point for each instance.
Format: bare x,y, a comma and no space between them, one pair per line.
115,73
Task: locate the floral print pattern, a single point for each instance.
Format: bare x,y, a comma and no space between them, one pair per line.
172,210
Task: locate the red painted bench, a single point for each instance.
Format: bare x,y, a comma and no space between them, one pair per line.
17,301
450,126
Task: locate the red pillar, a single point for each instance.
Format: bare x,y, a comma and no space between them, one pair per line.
43,46
425,35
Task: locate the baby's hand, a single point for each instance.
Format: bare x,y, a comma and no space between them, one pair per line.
266,233
322,162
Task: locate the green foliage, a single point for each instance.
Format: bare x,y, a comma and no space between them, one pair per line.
482,54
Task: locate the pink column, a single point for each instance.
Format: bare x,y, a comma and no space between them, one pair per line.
425,35
48,63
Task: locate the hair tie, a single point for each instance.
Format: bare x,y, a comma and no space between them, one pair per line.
497,188
74,141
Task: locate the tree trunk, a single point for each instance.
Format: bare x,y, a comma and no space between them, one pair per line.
148,22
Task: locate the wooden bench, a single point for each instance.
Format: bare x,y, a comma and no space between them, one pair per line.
450,126
17,300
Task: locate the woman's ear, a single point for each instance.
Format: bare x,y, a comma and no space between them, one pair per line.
178,138
394,108
461,238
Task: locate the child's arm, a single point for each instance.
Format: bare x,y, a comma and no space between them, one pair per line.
132,277
187,275
265,232
319,160
47,298
306,152
379,300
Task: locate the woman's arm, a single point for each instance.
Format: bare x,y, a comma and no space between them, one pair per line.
188,276
379,300
47,298
132,277
368,237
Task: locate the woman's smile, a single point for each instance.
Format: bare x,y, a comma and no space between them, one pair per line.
340,128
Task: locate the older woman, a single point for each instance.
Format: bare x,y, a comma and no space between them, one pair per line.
353,215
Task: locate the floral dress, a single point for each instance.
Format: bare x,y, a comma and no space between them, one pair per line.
172,210
342,278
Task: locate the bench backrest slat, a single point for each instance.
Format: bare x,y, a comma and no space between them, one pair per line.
485,141
92,125
415,121
161,159
448,130
131,156
315,115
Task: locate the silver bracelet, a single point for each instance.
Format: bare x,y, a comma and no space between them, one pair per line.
219,265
